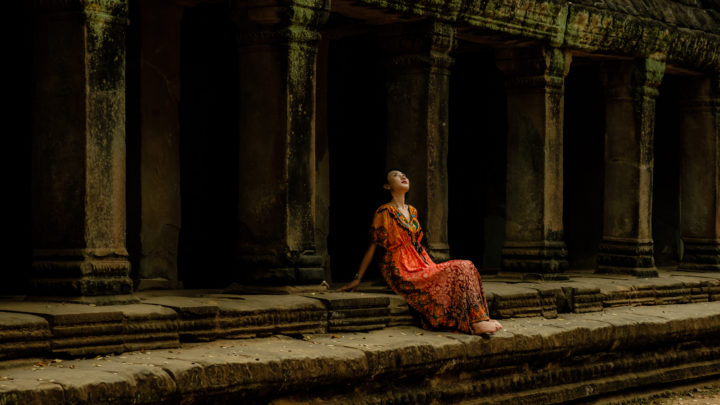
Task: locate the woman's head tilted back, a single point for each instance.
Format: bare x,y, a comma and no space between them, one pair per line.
396,181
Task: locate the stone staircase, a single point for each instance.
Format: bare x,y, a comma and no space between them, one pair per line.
577,339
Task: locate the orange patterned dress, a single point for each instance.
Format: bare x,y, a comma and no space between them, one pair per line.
448,295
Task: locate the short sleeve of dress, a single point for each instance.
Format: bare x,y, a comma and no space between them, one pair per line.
379,228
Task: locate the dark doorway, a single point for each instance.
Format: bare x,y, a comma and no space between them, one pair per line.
208,147
477,159
584,145
666,176
356,141
16,166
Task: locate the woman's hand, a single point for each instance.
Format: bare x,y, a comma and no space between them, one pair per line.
351,286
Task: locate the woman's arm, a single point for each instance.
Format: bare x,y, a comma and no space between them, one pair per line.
361,270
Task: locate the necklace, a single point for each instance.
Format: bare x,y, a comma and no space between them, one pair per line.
405,207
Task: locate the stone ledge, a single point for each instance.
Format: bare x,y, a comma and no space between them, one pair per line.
81,330
23,335
167,318
577,356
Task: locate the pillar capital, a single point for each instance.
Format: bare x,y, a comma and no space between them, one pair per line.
425,45
271,21
534,67
637,79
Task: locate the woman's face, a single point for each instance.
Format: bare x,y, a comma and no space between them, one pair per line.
397,181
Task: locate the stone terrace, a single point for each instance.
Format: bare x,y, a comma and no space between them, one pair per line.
591,335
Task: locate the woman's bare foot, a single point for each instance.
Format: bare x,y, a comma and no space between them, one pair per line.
481,328
497,324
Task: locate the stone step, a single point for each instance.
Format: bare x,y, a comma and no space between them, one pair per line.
166,318
569,358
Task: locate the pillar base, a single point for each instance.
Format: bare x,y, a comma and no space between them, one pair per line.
701,255
159,283
535,257
306,269
439,252
80,273
626,256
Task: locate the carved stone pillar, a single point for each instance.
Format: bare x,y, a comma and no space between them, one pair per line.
630,93
78,152
160,137
278,42
535,79
417,121
700,175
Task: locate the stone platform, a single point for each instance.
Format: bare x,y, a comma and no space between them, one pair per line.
564,340
576,356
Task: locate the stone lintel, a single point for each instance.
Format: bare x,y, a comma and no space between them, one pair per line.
418,61
535,79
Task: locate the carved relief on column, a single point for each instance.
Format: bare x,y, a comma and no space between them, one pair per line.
418,64
535,79
630,93
78,204
700,175
278,42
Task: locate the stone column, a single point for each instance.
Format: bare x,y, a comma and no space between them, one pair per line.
630,93
78,152
700,175
535,79
160,137
278,43
417,121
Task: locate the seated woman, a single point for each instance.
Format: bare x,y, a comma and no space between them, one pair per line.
449,295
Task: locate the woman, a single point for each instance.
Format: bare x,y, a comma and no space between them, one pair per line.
448,295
